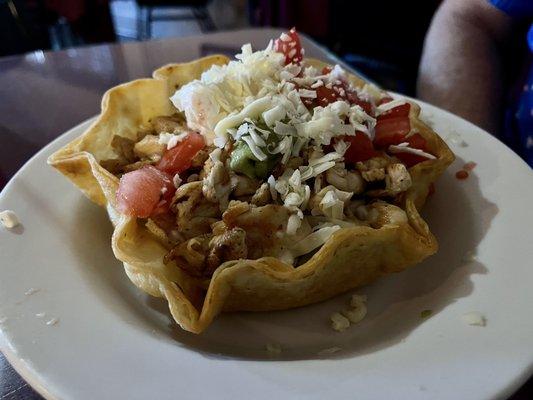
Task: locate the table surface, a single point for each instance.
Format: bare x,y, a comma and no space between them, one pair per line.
43,94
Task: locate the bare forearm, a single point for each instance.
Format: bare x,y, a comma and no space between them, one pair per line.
461,68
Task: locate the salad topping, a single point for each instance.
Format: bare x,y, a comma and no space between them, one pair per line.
267,156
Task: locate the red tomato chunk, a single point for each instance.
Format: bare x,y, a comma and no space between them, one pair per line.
140,191
289,44
179,158
361,148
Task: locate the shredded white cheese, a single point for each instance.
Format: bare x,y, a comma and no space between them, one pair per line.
313,241
170,139
382,108
404,148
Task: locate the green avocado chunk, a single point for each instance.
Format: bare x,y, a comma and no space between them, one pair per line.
243,161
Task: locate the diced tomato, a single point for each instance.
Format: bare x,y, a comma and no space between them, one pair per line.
391,131
384,100
140,192
409,159
326,70
361,148
415,141
365,105
179,158
325,96
396,112
290,47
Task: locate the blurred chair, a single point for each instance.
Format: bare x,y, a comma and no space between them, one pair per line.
146,15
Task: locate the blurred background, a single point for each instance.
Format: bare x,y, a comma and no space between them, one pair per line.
382,39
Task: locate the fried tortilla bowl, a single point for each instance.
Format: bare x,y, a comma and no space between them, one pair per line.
397,238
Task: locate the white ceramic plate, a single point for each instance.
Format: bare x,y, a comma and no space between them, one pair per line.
112,341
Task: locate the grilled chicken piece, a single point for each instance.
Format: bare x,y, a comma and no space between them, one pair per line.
262,196
230,245
202,255
149,147
398,179
373,169
171,124
194,213
265,227
348,181
242,185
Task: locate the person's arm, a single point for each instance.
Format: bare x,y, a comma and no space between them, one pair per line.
461,67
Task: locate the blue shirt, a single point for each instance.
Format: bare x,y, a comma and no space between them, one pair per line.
518,129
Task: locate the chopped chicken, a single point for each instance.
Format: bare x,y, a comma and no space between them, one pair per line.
149,147
190,255
264,227
201,157
194,213
373,169
216,185
348,181
124,147
398,179
172,124
243,186
202,255
381,213
231,245
262,196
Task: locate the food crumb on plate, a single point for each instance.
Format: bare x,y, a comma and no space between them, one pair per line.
40,315
474,318
52,321
31,291
273,348
355,315
426,314
455,139
357,300
339,322
329,351
9,219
